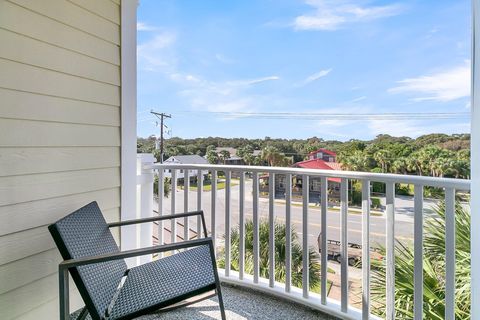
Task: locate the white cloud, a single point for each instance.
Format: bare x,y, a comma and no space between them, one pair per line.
358,99
396,128
414,128
314,77
185,78
159,54
254,81
142,26
224,96
223,59
333,123
368,128
334,14
442,86
156,54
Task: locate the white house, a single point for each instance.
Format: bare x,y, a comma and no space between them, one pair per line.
186,159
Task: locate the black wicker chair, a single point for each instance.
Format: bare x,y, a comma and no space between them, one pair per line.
109,288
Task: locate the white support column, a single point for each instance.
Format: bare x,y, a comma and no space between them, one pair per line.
475,163
145,178
128,120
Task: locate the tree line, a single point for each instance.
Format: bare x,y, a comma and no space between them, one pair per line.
438,155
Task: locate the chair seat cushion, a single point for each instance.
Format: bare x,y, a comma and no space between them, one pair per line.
164,281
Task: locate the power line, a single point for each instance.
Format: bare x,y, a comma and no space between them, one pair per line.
330,116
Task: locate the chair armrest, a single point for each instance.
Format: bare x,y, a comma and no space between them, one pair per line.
160,218
67,264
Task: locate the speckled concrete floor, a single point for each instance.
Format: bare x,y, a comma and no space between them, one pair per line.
241,304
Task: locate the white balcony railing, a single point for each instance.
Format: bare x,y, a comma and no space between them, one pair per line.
220,224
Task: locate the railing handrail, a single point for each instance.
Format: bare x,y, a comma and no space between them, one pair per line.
459,184
342,308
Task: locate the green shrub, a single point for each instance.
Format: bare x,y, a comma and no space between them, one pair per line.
404,190
167,186
280,251
356,198
375,203
433,271
378,187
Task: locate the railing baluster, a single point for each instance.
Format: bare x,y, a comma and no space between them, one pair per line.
323,249
323,304
344,243
161,188
199,202
228,176
288,236
418,253
214,205
241,204
271,236
173,226
390,251
305,269
256,221
450,253
365,249
186,189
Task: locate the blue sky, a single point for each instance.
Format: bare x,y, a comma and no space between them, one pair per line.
302,56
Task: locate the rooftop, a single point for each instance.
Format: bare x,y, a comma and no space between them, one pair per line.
187,159
324,151
319,164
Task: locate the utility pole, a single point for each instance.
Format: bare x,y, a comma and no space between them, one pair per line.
161,116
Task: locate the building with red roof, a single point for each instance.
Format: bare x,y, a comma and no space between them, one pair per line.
321,159
323,154
319,164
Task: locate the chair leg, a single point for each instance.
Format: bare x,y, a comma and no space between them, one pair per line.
217,281
83,314
220,301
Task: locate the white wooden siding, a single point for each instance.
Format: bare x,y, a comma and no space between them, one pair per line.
59,137
30,51
31,24
31,106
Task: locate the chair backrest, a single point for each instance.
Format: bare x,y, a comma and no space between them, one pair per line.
85,233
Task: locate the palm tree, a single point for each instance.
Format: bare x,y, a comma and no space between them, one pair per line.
224,155
269,154
280,252
356,161
383,157
427,159
248,158
433,271
399,165
414,165
212,157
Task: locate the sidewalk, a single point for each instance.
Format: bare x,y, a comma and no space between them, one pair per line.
331,208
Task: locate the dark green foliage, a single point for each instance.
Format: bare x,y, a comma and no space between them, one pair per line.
166,187
434,270
280,232
376,204
437,155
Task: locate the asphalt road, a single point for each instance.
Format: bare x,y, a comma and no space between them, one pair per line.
403,225
403,219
